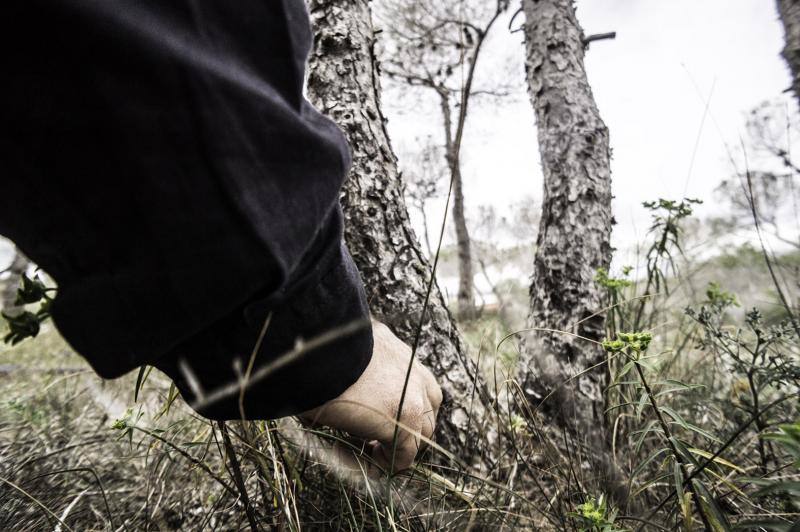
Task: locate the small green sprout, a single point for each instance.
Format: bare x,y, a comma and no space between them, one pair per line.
595,515
123,423
720,298
518,424
632,342
613,346
612,283
126,424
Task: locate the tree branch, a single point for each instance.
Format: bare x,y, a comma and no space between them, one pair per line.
598,37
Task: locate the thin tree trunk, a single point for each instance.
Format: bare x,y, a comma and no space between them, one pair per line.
789,11
344,83
425,228
466,294
575,228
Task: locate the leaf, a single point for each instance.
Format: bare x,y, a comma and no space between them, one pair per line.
677,386
171,396
625,369
772,526
643,434
646,365
684,452
642,402
707,455
649,459
733,487
683,498
688,426
716,517
650,482
144,372
788,487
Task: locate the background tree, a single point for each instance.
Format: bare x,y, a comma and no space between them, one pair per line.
436,44
424,182
504,242
575,227
344,83
789,11
772,174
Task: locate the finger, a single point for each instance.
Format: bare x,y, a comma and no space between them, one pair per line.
431,386
360,460
398,452
354,417
404,452
435,397
428,424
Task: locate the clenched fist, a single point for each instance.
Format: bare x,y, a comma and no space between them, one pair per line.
368,409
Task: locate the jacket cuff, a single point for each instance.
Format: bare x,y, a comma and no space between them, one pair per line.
219,355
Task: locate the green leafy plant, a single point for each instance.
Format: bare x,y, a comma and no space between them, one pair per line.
784,487
757,355
633,346
666,227
615,290
595,515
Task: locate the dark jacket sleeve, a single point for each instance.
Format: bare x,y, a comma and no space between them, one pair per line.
162,164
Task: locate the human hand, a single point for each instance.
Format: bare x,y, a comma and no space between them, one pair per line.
368,408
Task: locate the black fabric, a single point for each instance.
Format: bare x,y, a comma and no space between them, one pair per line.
162,165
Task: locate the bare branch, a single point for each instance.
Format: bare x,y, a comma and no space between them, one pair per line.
598,37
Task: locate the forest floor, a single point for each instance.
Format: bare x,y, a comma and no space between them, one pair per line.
80,453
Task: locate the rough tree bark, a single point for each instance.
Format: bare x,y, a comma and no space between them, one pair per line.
789,11
575,228
344,83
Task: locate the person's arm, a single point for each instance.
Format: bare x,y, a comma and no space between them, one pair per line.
168,173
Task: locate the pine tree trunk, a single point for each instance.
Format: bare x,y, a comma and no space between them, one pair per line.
575,228
344,83
789,11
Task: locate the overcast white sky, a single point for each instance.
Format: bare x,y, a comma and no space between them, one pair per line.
651,84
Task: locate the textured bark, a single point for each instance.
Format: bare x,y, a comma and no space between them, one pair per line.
344,83
575,228
9,295
789,11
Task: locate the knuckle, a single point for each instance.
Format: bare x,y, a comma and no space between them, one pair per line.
413,410
429,425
